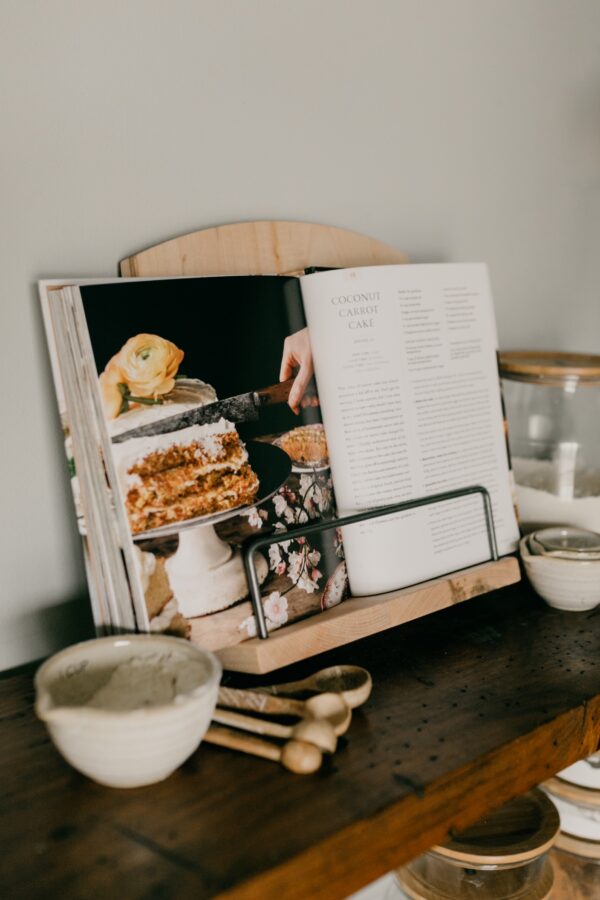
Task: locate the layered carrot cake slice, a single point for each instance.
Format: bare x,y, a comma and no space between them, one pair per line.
196,471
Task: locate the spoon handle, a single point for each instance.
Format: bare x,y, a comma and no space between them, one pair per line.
296,756
235,740
263,703
290,687
250,723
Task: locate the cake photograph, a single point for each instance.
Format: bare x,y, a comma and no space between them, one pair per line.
181,474
213,422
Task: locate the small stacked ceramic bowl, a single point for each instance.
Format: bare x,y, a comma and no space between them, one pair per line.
576,794
563,565
127,711
585,773
579,810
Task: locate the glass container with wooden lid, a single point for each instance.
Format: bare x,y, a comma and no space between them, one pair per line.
552,403
502,857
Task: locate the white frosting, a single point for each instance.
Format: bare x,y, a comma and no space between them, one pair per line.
178,401
130,452
189,396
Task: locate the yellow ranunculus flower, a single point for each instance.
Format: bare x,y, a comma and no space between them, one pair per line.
112,398
148,365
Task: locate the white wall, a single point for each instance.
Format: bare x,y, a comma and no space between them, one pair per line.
454,129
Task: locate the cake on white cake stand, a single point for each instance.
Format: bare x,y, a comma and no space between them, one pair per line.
205,573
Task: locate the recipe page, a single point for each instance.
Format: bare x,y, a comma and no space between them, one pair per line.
406,367
189,489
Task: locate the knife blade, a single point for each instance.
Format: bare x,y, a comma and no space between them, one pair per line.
242,408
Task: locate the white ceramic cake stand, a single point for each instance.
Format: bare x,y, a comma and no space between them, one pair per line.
205,573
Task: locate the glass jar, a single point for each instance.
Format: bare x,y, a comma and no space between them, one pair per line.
501,857
552,403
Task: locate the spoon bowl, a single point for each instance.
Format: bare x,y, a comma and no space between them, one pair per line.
318,732
331,708
300,757
353,683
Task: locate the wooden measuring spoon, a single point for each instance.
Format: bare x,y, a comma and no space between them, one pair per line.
319,732
297,756
352,682
327,706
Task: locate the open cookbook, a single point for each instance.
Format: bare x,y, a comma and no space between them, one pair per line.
200,411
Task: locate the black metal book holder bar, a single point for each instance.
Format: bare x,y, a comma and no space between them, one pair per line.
256,543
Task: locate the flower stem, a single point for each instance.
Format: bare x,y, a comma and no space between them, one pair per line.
148,401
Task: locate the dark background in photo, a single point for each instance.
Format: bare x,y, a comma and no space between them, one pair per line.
230,328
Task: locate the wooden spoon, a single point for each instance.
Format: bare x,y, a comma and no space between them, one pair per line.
319,732
297,756
327,706
353,683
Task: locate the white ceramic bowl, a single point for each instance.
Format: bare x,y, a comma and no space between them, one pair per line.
585,773
570,585
580,819
565,543
128,710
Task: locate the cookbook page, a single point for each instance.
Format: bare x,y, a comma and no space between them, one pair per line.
107,581
406,366
55,310
191,484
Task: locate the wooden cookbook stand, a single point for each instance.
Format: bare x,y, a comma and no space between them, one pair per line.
267,248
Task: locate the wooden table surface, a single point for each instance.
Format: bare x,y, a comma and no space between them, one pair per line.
470,707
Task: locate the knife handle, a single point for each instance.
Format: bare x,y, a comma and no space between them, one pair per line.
276,393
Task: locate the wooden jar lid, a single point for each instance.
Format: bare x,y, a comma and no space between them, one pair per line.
518,832
548,367
575,793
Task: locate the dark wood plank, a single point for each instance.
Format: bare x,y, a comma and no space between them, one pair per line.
470,707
